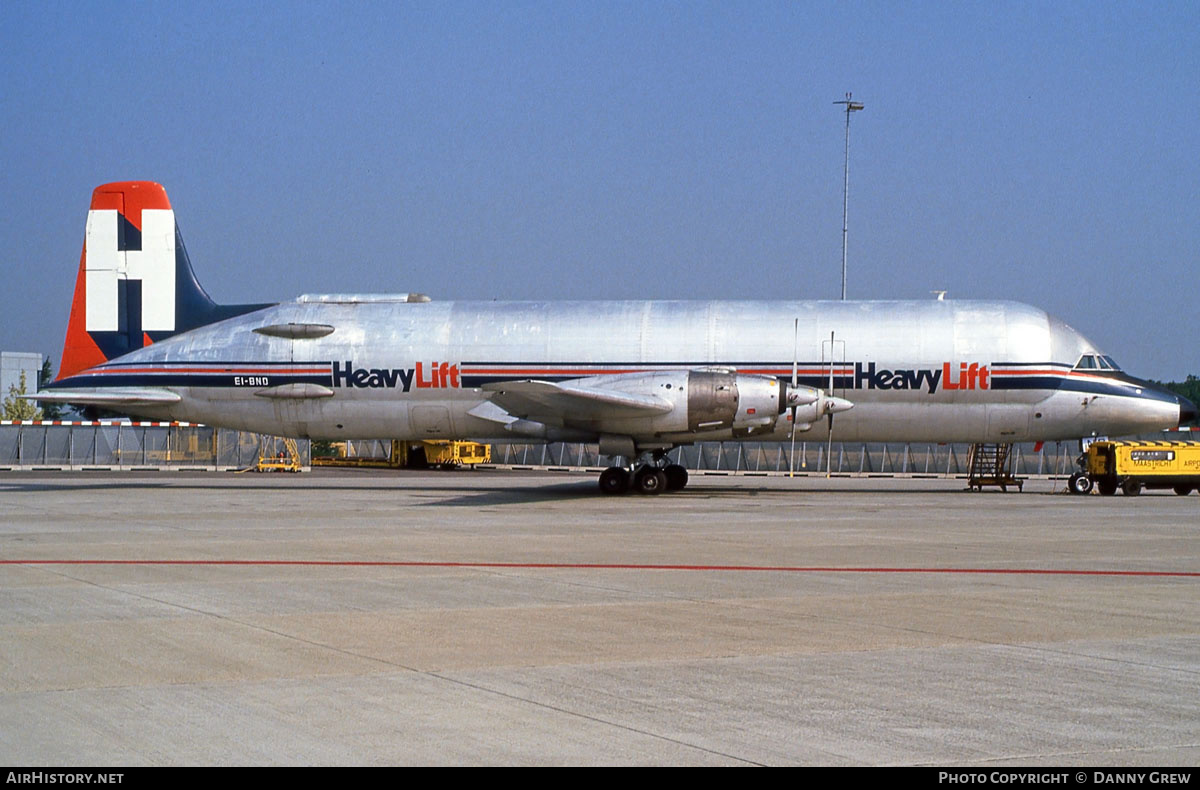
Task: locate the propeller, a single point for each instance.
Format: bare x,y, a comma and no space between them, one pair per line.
795,383
829,412
797,396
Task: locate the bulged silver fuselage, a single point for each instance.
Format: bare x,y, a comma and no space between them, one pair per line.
943,371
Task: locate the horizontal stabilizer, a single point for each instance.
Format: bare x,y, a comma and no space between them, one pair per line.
532,397
119,396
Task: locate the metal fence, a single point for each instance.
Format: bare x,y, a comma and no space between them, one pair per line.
939,460
935,460
845,458
134,445
153,445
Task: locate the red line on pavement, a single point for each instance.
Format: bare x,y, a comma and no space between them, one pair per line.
610,566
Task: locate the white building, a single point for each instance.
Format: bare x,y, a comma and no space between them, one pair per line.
12,364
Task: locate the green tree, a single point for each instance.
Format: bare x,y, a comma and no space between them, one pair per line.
16,407
50,411
1188,388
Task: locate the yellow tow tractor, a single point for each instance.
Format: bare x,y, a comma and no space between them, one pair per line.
1132,466
451,455
424,454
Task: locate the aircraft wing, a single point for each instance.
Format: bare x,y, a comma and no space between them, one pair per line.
531,397
118,396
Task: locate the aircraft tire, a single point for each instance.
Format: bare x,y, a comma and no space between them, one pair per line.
1131,487
1182,490
1080,483
1107,487
649,480
677,477
614,480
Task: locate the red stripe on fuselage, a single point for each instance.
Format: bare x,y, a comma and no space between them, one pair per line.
121,371
601,370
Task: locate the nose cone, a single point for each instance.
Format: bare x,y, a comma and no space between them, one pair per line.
1187,411
798,396
835,405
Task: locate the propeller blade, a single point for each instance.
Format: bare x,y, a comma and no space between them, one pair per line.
792,451
828,405
795,383
795,353
829,448
831,406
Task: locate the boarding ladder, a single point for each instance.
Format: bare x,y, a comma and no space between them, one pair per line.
285,460
991,465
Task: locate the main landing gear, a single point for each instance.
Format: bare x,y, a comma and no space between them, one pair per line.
654,477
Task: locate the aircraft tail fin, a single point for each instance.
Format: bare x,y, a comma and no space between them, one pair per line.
135,284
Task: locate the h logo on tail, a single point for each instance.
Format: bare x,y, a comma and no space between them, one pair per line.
113,263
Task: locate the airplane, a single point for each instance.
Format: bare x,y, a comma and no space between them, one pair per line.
636,378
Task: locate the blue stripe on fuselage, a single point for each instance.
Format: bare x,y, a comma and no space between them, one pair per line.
169,374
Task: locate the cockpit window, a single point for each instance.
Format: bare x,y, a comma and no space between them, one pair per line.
1096,362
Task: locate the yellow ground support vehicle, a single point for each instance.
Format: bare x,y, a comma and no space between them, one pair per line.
451,455
1132,466
435,453
271,458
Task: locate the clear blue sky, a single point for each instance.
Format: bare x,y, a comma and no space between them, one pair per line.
1044,152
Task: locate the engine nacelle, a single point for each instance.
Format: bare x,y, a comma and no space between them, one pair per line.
719,399
701,401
